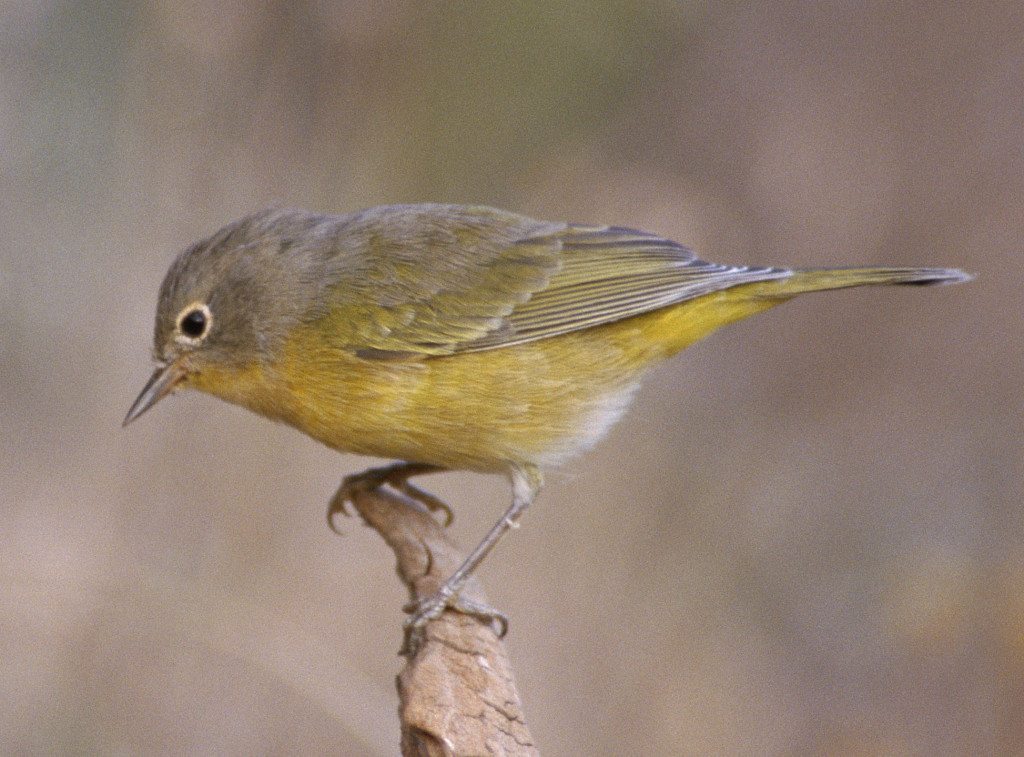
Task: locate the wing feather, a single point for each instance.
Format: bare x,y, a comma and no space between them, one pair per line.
430,280
609,274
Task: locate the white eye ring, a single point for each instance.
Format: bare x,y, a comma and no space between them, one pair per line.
193,323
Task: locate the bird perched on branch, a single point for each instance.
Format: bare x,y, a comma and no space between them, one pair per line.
449,337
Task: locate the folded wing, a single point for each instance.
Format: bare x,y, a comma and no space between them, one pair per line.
440,280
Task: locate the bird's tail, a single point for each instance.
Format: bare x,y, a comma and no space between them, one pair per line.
676,327
819,279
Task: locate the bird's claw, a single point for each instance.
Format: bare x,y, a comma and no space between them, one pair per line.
342,498
397,477
425,498
423,611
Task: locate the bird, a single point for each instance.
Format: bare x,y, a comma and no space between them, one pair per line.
450,337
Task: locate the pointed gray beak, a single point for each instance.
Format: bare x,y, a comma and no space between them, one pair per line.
160,384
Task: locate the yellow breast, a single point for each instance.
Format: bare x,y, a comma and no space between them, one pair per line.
539,402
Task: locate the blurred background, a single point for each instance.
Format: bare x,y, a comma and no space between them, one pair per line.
806,538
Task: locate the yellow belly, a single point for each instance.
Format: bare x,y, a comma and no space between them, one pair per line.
540,402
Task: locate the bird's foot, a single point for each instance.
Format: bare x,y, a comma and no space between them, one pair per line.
423,611
397,477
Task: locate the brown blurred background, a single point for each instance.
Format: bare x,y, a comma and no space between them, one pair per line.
808,535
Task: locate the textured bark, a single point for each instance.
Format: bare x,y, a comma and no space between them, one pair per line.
457,693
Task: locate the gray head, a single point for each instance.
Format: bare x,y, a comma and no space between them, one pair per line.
230,300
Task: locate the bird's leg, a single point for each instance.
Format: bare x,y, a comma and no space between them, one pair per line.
526,482
397,476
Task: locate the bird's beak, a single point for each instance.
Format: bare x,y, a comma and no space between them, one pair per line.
160,384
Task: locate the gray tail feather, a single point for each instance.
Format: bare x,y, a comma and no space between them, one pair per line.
815,279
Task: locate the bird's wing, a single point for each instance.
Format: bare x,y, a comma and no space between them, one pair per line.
610,273
421,280
453,280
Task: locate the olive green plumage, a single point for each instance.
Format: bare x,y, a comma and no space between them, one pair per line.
459,337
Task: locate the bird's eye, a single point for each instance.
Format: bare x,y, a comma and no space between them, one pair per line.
194,322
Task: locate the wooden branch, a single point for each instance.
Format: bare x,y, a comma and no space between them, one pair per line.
456,692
